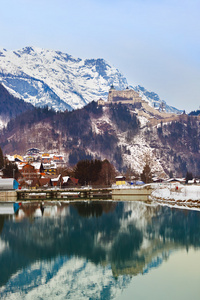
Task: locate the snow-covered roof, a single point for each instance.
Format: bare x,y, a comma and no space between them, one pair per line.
193,181
36,165
10,157
20,165
65,179
56,179
176,179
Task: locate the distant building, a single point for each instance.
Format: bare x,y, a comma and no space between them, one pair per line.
128,96
46,159
45,155
69,181
28,174
58,159
45,182
32,154
57,181
101,102
49,168
32,151
18,158
120,180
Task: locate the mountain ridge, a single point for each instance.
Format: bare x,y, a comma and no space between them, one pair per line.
46,77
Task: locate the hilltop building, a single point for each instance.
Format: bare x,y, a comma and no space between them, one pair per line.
101,102
127,96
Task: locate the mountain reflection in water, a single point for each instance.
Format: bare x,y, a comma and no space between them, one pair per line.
113,240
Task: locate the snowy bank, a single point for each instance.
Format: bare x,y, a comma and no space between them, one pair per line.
177,193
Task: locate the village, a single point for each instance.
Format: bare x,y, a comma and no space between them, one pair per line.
37,169
40,170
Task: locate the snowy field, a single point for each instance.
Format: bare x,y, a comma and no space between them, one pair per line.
171,194
177,194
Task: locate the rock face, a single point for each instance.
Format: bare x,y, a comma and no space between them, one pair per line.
46,77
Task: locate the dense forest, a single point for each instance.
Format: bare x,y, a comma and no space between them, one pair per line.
182,143
194,113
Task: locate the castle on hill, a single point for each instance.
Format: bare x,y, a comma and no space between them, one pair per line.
127,96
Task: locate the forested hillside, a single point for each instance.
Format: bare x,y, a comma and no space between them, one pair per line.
115,132
194,113
80,134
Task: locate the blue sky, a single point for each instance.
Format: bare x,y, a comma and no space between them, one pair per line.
154,43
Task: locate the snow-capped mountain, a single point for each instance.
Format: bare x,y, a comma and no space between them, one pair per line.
46,77
154,100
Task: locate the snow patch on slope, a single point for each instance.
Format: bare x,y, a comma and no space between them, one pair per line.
139,152
3,122
137,147
154,100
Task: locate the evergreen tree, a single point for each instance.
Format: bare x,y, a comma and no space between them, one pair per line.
189,176
10,170
87,171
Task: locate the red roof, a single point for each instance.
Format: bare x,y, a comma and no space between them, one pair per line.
44,181
74,180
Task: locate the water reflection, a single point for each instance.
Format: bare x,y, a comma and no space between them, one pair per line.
110,242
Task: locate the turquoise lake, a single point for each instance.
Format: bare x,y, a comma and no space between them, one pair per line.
100,250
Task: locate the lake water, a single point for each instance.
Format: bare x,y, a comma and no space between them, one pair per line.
100,250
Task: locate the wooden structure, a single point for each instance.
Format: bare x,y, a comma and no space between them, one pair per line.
64,194
129,194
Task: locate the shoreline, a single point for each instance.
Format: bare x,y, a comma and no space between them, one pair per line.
173,195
